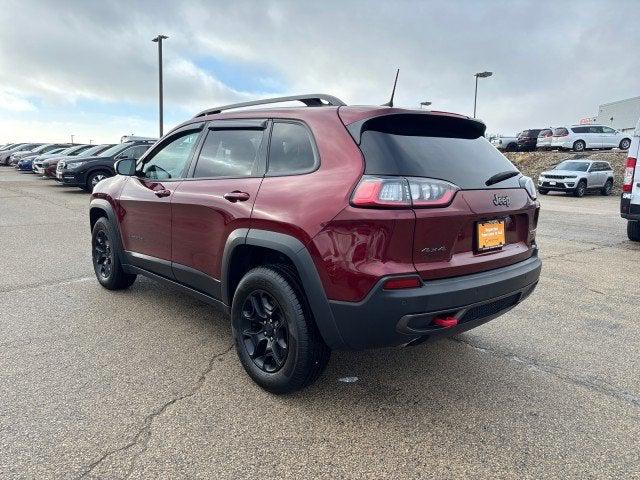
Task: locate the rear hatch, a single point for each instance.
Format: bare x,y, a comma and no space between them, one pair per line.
465,223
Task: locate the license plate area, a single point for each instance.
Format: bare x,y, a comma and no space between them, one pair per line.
490,235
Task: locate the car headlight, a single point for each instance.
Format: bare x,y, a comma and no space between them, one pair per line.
529,186
74,165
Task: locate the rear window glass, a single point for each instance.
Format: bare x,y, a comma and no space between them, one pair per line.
447,149
230,153
560,131
291,151
580,129
544,133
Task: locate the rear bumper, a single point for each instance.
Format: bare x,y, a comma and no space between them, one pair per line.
628,210
399,317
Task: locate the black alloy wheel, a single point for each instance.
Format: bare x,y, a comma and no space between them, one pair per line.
103,255
264,331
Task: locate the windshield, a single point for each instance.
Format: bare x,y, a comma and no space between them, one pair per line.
573,166
96,149
110,152
40,148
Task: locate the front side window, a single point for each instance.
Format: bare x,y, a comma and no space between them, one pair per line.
170,160
608,130
291,151
233,153
595,129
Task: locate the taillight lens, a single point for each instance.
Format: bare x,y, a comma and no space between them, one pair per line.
629,172
529,185
402,192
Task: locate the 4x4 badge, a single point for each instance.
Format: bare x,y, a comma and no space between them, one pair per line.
501,200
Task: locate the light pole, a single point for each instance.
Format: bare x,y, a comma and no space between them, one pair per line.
424,104
72,139
159,40
475,96
90,142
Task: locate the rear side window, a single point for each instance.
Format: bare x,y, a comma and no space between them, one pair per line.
230,153
580,129
448,149
292,150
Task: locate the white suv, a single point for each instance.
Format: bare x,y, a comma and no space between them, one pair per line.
630,201
581,137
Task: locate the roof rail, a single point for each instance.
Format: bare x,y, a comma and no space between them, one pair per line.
311,100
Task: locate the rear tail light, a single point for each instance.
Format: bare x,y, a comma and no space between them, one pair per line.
629,173
401,192
399,283
528,184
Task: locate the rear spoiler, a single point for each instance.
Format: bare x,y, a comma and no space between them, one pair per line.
419,124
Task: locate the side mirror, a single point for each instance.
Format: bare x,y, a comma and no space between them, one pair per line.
126,166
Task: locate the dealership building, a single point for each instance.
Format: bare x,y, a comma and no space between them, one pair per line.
622,115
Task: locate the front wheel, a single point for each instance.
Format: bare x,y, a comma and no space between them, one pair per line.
93,179
275,336
633,230
106,257
543,191
581,189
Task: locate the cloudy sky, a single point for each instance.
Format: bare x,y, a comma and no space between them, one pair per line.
89,68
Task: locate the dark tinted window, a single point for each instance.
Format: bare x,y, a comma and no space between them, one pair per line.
579,129
529,133
544,133
447,149
230,153
560,131
291,151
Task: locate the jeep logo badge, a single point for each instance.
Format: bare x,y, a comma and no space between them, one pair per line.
501,200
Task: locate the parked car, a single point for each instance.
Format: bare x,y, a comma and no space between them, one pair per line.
508,144
44,148
48,167
24,147
86,172
630,200
323,227
544,139
26,163
586,137
577,177
528,139
8,146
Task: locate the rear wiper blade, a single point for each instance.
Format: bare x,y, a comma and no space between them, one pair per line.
499,177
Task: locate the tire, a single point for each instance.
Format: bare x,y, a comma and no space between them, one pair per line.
94,178
106,257
543,191
633,230
606,189
579,146
581,189
275,335
625,143
512,147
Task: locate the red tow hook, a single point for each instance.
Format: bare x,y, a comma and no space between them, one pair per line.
445,322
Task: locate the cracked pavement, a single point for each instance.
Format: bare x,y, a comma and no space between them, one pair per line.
144,383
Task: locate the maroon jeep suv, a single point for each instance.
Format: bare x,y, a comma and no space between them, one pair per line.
323,227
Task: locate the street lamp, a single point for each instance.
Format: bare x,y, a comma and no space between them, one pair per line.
424,104
72,139
475,96
158,40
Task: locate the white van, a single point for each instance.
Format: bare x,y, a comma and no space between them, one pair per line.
582,137
630,201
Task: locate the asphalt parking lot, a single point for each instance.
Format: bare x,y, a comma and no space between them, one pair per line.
144,384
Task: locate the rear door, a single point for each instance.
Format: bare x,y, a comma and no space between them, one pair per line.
453,239
146,200
216,198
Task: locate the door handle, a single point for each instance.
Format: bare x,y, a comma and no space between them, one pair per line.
162,193
237,196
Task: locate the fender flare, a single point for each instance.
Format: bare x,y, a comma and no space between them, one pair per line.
295,250
104,205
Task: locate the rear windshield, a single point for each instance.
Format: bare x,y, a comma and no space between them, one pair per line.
544,133
560,131
442,148
529,133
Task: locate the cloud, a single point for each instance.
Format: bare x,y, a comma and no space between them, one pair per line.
14,102
552,61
